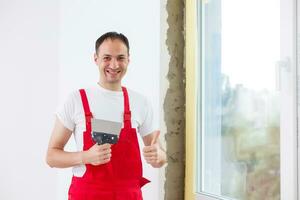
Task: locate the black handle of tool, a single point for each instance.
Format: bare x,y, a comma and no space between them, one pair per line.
103,138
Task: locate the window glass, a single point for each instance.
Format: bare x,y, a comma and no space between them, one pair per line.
238,100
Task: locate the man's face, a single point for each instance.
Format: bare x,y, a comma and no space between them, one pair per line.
112,59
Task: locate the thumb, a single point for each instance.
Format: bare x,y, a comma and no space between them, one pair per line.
155,138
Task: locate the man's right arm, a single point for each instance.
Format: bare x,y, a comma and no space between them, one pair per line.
58,157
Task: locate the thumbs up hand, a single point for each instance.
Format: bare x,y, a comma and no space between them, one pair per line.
152,153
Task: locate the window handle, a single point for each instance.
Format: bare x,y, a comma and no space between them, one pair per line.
282,66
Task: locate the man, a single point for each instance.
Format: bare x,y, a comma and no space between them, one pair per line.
106,171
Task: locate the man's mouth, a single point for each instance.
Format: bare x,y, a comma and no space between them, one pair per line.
112,72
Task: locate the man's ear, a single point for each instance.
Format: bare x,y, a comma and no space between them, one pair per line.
96,58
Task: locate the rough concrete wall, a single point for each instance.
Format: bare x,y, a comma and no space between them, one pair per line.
174,103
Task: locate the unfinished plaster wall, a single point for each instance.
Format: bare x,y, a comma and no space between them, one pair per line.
174,99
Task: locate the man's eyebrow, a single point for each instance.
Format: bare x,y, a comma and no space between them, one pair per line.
104,55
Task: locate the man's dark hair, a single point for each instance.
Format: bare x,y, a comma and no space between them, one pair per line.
112,36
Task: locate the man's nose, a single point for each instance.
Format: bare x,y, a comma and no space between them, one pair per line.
113,63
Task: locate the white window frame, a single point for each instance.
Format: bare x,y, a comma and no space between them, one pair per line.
288,115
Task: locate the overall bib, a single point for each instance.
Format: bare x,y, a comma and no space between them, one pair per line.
119,179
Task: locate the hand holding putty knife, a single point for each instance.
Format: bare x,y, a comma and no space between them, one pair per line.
104,134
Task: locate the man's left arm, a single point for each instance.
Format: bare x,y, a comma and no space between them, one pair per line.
153,152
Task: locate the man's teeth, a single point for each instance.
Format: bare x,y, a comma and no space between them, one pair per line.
112,72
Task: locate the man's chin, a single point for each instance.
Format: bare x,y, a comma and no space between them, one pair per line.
113,81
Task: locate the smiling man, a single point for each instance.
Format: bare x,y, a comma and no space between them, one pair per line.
106,171
112,58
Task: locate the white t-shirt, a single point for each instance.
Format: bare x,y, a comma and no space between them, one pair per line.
107,105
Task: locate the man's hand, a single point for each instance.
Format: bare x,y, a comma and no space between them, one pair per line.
153,154
97,154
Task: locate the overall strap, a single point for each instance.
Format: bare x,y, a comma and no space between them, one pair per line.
127,112
88,116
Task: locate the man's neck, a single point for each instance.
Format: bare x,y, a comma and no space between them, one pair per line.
112,87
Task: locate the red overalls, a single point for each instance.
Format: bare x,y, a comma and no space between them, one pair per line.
119,179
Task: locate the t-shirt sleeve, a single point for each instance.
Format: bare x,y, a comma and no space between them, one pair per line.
147,125
65,112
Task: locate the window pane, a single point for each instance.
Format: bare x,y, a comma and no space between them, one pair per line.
238,115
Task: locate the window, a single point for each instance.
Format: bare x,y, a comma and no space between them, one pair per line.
245,91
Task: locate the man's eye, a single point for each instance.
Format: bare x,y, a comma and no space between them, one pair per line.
106,58
121,58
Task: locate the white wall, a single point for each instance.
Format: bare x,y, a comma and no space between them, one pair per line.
46,52
28,85
164,84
